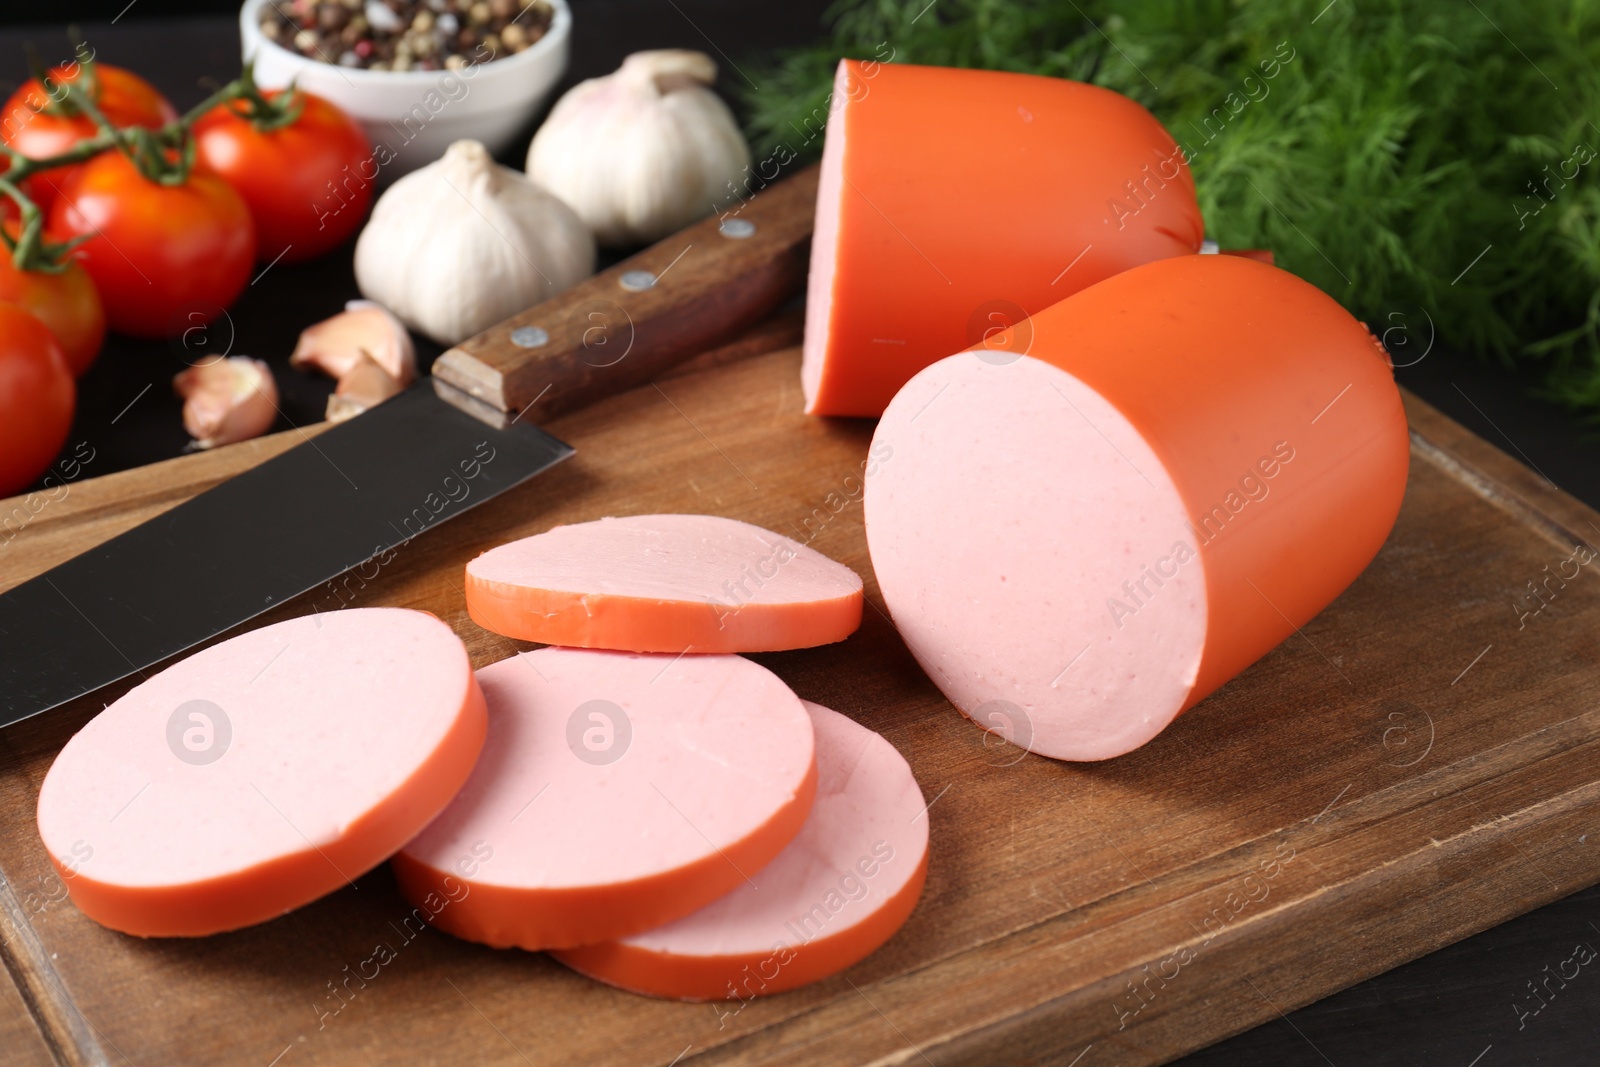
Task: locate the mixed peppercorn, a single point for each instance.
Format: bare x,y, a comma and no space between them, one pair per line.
406,34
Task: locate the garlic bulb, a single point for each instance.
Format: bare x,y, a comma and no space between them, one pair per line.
642,152
361,331
461,244
227,400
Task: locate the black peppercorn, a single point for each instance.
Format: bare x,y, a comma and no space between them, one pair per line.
406,34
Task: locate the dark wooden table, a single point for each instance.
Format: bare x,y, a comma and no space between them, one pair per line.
1452,1007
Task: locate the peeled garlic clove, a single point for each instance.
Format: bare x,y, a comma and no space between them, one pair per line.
366,384
335,346
463,243
227,400
642,152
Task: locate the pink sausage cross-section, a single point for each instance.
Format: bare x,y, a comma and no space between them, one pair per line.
616,792
664,583
262,772
838,892
1097,519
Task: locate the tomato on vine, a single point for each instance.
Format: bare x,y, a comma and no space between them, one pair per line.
59,293
305,168
36,399
41,119
168,245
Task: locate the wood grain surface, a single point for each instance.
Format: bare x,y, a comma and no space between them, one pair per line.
22,1044
1411,768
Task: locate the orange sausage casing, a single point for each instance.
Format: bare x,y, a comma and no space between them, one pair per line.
1103,514
954,202
1272,360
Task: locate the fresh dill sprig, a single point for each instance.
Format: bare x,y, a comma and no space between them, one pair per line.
1421,162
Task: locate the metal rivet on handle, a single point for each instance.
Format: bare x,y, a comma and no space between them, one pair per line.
530,336
737,228
637,281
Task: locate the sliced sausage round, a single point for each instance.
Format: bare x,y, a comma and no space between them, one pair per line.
616,792
262,772
664,583
839,891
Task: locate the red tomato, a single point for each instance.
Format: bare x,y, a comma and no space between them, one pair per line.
122,96
164,257
66,302
308,184
36,399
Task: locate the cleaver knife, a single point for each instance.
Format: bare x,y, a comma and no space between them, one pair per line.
356,492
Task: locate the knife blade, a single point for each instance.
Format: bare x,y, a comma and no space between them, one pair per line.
352,495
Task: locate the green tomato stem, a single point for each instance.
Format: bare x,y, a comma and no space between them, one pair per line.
29,249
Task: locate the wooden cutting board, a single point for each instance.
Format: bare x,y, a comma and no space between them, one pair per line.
1420,763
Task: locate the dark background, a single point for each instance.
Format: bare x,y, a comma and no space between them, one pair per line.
20,12
1453,1007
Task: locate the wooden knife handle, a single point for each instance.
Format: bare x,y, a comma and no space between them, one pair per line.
624,326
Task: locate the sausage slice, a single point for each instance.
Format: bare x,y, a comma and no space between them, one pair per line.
616,792
262,772
664,583
839,891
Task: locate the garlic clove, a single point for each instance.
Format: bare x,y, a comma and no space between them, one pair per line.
336,345
644,151
227,400
464,243
364,385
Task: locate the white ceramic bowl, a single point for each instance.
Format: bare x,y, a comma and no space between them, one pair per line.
417,114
